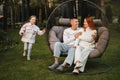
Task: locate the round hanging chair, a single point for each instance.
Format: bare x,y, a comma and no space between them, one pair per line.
57,23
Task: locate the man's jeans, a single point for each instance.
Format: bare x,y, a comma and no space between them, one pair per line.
60,48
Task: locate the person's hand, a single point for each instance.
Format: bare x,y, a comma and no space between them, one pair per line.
94,36
21,34
78,34
44,30
74,46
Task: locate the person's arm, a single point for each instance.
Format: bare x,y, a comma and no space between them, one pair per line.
78,34
22,30
41,32
67,38
76,43
94,35
88,38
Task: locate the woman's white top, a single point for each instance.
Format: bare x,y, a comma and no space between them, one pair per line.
86,39
29,32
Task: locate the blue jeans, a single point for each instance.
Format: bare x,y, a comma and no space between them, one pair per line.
61,48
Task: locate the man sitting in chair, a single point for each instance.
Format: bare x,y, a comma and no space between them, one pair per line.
69,36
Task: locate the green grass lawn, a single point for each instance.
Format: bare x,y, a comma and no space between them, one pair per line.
13,66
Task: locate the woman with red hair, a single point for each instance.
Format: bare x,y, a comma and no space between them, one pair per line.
84,44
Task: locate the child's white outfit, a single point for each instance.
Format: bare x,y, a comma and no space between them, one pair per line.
84,44
29,32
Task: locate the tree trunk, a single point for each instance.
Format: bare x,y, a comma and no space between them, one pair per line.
5,15
12,13
102,7
97,11
46,15
23,11
40,14
28,9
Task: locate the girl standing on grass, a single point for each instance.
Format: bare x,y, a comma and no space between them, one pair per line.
28,32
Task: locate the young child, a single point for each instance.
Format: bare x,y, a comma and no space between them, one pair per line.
28,32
